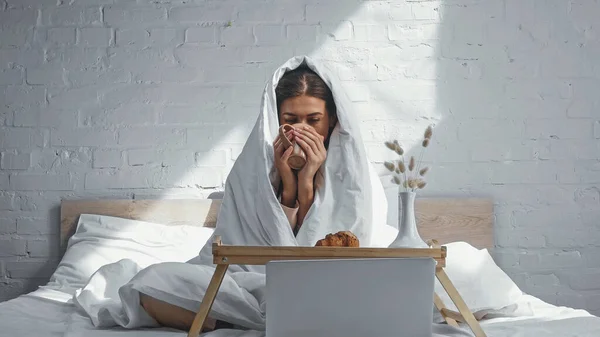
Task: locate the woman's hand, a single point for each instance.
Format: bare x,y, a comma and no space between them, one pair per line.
290,185
314,148
312,144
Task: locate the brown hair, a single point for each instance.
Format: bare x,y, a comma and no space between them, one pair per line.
304,81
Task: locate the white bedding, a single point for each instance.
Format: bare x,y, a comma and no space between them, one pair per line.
50,314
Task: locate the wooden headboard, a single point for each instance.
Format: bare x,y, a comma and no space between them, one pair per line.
443,219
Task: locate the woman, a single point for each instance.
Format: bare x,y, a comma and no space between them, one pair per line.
305,101
266,203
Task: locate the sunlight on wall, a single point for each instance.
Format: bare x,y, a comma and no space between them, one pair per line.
385,57
389,71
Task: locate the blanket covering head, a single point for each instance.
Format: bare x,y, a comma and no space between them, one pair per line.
349,196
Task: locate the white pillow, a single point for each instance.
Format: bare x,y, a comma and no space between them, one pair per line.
484,287
100,240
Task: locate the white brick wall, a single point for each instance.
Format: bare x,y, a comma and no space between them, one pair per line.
140,99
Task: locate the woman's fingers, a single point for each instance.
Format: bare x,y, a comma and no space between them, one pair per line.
287,153
311,140
310,154
320,139
278,148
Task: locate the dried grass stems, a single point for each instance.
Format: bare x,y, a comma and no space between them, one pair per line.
411,176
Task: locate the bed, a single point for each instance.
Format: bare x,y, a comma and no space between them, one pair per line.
49,311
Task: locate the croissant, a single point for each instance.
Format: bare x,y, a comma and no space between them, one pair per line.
339,239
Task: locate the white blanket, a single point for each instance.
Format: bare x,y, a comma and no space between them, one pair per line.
349,197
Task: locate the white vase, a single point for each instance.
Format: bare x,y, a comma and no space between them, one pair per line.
408,235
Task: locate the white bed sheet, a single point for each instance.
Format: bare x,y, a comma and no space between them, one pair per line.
47,313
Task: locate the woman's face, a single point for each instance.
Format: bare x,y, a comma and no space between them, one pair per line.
306,110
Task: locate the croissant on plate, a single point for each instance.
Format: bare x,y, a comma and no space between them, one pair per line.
339,239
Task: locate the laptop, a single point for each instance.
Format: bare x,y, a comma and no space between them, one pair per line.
387,297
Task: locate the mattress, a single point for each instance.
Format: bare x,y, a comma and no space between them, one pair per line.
49,313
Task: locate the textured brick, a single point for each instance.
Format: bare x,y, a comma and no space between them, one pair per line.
120,180
252,73
413,32
73,160
48,247
588,197
238,36
196,57
201,35
340,32
106,77
30,269
35,226
565,129
7,202
399,12
11,76
21,97
564,259
508,150
83,137
45,75
192,115
107,158
72,98
15,161
285,11
45,117
544,280
34,182
212,158
15,38
12,247
491,129
202,177
4,181
302,33
21,138
318,13
558,149
18,18
142,136
374,33
138,16
21,57
168,74
71,16
141,157
119,96
75,57
164,158
597,129
269,35
8,225
202,14
131,58
30,4
95,37
155,37
59,36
